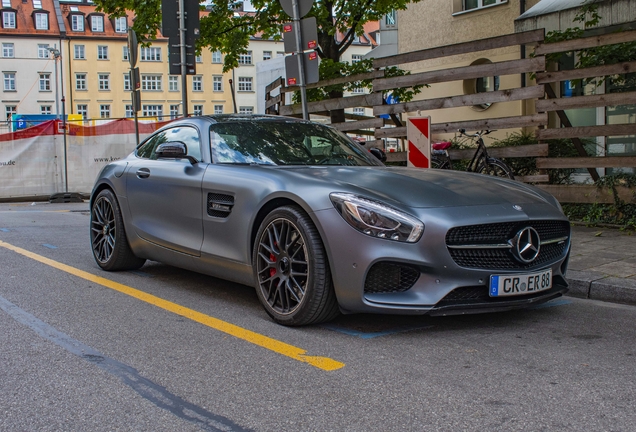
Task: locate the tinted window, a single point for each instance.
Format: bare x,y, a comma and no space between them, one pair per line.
187,135
284,143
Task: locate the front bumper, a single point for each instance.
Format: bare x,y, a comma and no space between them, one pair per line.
352,255
493,304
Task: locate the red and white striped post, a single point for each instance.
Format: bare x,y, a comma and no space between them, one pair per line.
418,134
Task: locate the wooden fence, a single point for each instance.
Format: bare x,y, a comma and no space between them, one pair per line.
541,93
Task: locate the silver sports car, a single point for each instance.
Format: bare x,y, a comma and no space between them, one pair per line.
319,226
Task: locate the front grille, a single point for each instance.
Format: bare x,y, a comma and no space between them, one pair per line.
390,277
501,233
220,205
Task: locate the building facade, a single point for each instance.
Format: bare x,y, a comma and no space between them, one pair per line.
89,51
31,74
436,23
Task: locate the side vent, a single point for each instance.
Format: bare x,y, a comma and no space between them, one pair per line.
220,205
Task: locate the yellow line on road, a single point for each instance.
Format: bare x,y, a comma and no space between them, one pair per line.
277,346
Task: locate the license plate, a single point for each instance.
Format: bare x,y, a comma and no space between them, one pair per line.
520,284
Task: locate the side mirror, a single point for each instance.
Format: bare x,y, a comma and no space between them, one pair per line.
173,150
380,154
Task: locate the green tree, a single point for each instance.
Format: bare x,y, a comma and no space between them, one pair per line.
587,19
224,30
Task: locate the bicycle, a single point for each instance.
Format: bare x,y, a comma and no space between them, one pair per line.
481,163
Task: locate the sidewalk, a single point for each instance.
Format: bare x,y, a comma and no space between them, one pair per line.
603,265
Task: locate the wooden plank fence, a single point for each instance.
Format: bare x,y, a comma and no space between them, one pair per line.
542,95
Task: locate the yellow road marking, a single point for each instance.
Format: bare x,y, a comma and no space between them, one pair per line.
277,346
37,211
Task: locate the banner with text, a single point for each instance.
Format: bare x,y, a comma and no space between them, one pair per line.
32,160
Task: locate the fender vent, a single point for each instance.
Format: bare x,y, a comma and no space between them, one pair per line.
220,205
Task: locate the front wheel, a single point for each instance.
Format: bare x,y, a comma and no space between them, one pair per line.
293,280
495,167
108,238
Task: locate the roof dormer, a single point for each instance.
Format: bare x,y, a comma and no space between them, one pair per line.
76,19
96,22
40,18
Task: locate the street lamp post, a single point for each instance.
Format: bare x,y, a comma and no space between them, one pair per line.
57,55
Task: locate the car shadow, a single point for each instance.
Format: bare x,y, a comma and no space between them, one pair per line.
364,326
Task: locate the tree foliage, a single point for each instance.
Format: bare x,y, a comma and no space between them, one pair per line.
226,31
588,18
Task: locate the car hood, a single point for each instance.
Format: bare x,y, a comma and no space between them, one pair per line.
415,187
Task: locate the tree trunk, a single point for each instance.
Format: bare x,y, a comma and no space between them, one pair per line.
337,116
330,51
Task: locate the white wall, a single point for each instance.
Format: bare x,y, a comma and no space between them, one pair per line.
266,73
27,67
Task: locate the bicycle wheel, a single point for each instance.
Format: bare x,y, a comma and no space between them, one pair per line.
495,167
439,163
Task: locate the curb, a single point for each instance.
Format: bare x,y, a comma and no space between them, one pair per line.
598,286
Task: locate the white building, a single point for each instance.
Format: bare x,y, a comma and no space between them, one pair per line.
268,64
30,82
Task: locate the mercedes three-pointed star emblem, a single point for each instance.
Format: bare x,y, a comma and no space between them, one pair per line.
526,245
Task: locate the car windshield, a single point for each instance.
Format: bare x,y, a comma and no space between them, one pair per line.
284,143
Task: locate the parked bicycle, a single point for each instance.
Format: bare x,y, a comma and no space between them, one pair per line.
480,163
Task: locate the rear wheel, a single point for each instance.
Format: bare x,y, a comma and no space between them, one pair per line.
108,238
437,163
495,167
293,280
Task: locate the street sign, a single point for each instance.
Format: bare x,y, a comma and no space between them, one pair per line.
308,35
304,6
170,28
132,48
418,133
300,68
136,100
390,100
292,69
135,80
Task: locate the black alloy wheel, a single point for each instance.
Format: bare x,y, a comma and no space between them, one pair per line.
291,270
108,239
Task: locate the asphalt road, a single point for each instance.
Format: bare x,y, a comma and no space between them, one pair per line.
163,349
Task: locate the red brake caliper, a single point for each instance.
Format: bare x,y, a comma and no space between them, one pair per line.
272,258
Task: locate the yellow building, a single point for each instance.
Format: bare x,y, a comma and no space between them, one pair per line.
97,72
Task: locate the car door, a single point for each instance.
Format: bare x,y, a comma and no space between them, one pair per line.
164,195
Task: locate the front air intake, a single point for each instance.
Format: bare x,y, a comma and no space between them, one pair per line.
390,277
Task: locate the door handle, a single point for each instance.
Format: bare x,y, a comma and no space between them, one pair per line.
143,173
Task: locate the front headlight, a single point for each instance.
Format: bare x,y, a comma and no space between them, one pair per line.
376,219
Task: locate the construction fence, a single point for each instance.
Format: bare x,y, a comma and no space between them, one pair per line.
32,160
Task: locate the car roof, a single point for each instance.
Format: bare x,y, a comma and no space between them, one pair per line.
222,118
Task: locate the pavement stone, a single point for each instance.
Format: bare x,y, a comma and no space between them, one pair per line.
612,289
603,264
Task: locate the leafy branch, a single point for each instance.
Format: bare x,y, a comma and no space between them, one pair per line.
330,69
588,17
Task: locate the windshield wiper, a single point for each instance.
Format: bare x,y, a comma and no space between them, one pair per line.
246,163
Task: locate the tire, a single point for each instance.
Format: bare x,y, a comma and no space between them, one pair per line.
108,238
495,167
438,163
291,271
